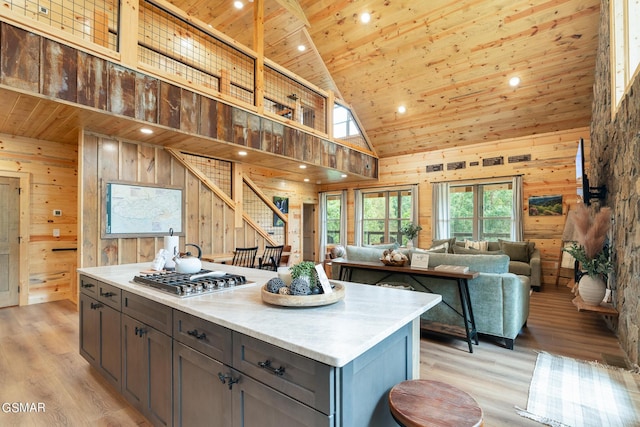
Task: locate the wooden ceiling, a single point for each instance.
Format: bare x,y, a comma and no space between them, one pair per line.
447,61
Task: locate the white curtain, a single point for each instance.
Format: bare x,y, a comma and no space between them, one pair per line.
358,217
440,201
415,211
518,209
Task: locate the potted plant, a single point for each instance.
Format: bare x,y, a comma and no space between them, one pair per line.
410,230
305,269
592,252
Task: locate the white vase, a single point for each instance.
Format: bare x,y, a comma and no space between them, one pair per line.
592,289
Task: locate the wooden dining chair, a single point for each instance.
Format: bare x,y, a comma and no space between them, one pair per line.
270,259
245,257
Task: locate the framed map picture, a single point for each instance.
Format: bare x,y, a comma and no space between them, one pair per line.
134,210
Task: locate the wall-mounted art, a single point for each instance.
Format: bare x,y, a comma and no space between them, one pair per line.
545,205
135,210
282,203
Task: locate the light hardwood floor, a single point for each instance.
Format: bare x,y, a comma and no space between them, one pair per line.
40,363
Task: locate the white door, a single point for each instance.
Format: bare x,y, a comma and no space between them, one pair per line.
9,243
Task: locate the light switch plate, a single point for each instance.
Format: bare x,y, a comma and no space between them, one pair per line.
57,212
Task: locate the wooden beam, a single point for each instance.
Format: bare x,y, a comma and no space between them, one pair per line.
258,45
295,9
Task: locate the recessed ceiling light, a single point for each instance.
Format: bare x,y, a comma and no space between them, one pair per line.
514,81
344,175
365,18
303,166
238,4
302,48
402,109
306,180
242,153
146,131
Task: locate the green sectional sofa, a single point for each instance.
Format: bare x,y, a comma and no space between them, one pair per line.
500,300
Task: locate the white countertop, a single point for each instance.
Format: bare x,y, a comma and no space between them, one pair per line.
334,334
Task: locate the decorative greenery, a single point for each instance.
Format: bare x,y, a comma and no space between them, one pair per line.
305,268
410,230
600,265
591,234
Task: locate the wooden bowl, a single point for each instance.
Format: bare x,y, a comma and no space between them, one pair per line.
393,263
303,300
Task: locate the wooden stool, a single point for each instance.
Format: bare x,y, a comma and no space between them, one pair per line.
425,403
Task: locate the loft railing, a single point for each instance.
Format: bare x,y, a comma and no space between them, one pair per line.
177,48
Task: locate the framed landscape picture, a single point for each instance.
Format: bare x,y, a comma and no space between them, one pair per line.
545,205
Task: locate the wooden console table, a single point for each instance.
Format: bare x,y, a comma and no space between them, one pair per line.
461,279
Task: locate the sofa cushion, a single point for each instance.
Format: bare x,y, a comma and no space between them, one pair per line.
360,253
470,251
520,268
481,263
363,253
517,251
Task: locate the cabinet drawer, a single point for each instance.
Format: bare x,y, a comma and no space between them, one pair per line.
89,286
206,337
110,295
154,314
299,377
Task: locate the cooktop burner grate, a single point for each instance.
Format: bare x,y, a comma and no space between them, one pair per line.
186,285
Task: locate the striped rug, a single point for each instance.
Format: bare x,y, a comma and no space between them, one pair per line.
572,393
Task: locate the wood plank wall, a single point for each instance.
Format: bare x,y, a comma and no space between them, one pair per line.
53,171
551,171
209,222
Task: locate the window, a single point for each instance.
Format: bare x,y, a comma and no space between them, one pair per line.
333,218
481,211
383,215
344,126
625,46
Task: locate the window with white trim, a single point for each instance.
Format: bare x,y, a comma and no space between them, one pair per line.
383,213
625,46
481,211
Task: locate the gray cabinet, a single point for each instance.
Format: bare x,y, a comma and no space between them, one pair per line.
200,398
258,405
99,338
180,369
147,358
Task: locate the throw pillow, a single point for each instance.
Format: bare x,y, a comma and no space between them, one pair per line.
517,251
482,245
338,251
444,247
451,241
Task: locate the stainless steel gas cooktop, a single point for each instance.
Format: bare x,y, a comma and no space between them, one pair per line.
186,285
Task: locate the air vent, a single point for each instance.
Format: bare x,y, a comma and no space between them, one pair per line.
435,168
43,10
520,158
493,161
456,165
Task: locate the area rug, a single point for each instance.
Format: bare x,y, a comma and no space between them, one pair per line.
565,392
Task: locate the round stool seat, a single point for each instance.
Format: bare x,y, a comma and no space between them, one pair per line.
426,403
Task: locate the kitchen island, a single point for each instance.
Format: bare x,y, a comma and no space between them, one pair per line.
251,363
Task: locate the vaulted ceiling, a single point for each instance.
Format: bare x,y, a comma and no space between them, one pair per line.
447,61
